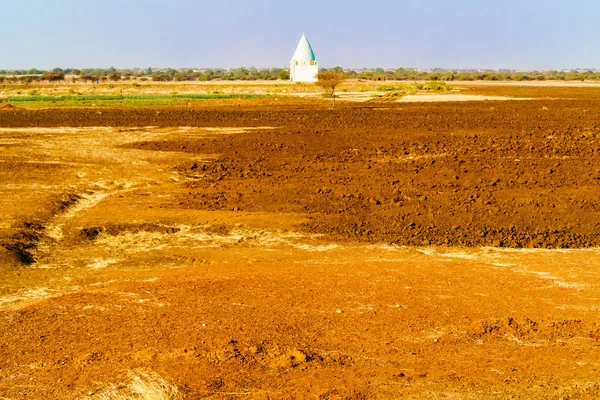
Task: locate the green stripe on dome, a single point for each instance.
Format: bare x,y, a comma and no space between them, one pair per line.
304,51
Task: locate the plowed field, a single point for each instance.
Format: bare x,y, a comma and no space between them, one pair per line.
276,248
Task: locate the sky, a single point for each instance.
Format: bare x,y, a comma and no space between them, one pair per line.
495,34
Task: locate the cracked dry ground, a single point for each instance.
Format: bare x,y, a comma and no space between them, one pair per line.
283,250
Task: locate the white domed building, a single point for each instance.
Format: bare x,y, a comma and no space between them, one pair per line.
304,66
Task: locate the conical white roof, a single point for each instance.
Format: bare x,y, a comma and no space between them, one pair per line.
304,51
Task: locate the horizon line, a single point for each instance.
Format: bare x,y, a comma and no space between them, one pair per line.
287,67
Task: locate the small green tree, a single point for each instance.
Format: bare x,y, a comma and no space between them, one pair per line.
284,75
329,81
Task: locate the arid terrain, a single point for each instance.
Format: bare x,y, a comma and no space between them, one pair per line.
275,248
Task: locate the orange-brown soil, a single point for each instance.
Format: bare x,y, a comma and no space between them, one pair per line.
280,249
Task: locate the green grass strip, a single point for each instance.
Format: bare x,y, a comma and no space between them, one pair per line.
190,96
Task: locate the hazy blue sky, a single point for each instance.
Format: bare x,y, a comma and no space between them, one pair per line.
263,33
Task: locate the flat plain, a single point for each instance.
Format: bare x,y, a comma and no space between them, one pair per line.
277,248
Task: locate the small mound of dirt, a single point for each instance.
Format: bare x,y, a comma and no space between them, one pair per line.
9,107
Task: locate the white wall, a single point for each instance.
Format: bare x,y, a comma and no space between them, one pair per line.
304,73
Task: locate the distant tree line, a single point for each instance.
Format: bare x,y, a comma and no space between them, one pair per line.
243,74
158,75
251,74
438,74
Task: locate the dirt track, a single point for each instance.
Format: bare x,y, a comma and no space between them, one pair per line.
269,262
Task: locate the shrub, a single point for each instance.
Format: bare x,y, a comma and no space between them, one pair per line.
53,76
87,78
284,75
186,76
437,86
162,77
388,88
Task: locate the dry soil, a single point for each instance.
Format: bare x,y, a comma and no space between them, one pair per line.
281,249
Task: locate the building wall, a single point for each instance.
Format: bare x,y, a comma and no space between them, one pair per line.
304,73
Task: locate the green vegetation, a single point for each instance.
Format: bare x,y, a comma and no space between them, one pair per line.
163,75
209,74
438,74
112,100
284,75
193,96
251,74
436,86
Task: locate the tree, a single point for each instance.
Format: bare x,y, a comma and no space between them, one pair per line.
186,76
162,77
56,74
329,81
89,77
284,75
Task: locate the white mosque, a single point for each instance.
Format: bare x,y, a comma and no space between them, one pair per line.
304,66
